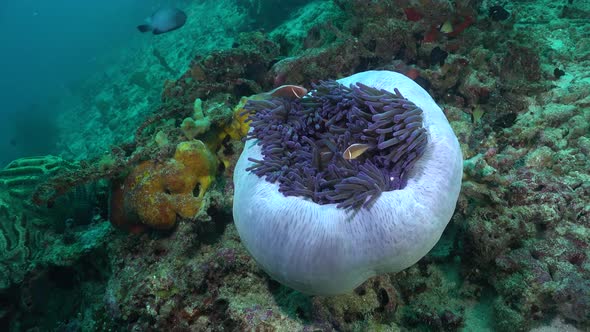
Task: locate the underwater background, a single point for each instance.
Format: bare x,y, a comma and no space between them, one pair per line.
91,108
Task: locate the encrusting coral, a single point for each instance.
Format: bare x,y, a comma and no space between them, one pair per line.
154,193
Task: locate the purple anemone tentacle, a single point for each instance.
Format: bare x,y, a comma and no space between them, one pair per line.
303,141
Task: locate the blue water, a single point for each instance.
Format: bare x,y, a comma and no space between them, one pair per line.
50,47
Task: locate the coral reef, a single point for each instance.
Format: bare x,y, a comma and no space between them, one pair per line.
20,177
531,230
20,239
511,78
42,252
14,248
207,290
109,105
240,71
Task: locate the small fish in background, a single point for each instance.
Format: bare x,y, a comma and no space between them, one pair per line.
164,20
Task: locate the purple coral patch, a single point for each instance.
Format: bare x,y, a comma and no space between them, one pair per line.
303,140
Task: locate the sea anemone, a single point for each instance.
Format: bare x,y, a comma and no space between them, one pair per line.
357,178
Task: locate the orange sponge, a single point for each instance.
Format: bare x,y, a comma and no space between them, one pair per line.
154,193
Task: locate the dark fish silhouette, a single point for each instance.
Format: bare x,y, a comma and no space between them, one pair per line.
164,20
